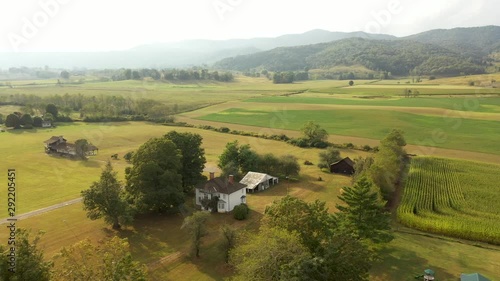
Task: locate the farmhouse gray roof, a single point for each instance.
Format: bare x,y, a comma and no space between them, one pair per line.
221,185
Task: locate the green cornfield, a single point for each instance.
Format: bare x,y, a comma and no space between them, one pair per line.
452,197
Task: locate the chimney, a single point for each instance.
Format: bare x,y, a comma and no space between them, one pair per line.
212,175
231,179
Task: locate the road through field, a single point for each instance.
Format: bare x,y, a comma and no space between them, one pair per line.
43,210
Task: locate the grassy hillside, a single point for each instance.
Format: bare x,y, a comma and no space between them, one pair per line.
456,198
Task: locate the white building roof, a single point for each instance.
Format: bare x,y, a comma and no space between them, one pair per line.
252,179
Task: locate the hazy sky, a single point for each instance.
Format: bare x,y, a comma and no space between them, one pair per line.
100,25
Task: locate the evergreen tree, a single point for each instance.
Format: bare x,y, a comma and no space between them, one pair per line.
364,212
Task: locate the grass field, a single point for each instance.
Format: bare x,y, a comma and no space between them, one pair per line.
453,133
158,241
45,180
456,198
475,104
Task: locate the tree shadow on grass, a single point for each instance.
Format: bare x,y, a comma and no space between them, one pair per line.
21,131
405,265
154,236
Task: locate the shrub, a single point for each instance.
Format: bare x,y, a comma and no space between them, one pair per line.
349,145
432,77
241,212
300,142
224,130
320,144
367,147
128,156
308,163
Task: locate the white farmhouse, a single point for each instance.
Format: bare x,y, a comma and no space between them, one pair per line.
229,192
258,181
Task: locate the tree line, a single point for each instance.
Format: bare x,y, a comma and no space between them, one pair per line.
171,74
95,108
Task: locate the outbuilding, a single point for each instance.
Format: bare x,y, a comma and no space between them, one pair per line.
258,181
344,166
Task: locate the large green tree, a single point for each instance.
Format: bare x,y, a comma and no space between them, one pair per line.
13,121
327,157
110,261
311,220
364,213
197,229
238,155
81,147
341,257
266,254
193,158
26,120
52,109
105,199
289,165
30,262
314,134
389,163
154,182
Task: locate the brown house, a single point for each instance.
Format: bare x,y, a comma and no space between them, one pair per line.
344,166
58,144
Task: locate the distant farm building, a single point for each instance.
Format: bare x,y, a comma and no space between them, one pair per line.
255,182
344,166
229,192
473,277
46,124
59,145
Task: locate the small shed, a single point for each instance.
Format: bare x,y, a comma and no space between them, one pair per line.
473,277
46,124
258,181
344,166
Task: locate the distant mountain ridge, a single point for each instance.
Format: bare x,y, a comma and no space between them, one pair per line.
440,52
207,52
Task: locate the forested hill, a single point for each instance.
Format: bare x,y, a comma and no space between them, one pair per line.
473,41
423,53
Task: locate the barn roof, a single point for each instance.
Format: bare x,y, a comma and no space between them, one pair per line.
252,179
221,185
54,139
473,277
347,160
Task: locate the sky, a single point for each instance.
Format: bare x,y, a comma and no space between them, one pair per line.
106,25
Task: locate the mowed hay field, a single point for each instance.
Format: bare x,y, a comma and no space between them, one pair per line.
434,131
451,197
44,180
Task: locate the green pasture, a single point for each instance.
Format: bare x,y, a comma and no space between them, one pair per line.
479,104
453,133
